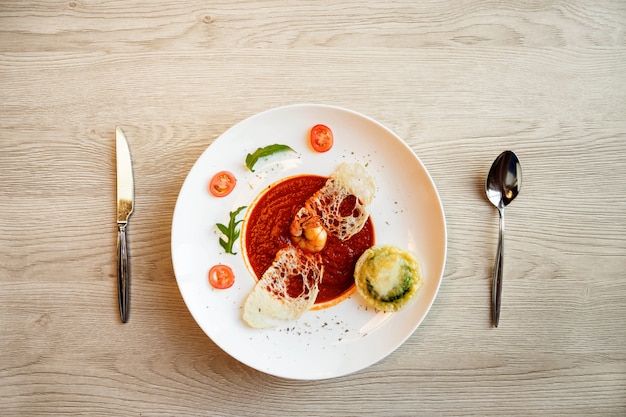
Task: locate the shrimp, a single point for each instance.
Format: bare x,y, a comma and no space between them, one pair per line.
307,231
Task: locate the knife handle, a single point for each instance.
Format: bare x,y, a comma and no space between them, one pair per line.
123,272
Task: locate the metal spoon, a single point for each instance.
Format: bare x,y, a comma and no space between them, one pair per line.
503,185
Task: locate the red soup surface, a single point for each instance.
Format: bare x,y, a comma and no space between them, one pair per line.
266,231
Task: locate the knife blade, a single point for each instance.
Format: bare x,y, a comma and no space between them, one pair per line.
125,198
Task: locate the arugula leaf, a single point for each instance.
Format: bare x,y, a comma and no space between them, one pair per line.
252,158
230,232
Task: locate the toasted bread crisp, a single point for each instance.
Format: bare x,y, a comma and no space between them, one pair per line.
329,203
272,301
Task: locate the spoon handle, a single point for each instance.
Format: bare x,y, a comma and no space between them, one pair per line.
496,294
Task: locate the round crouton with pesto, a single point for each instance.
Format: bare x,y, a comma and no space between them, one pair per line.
388,277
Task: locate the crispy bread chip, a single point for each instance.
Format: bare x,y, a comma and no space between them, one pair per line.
350,179
270,303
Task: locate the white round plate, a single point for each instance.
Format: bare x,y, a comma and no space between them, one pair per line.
406,212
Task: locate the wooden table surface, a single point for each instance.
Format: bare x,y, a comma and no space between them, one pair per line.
459,82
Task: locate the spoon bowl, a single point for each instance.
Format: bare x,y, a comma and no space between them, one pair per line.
503,185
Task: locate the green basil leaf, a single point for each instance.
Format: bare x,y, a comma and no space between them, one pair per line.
253,158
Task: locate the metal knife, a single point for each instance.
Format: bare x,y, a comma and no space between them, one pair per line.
125,197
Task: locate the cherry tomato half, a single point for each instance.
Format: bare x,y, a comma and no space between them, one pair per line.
222,184
221,277
321,138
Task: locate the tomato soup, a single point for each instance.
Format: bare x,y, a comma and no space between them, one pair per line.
266,231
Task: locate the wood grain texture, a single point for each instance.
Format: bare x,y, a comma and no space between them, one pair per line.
459,82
